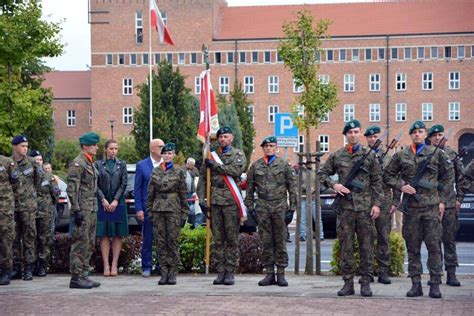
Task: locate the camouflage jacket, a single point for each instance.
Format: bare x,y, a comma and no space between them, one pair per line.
466,181
276,181
368,182
167,191
8,181
48,194
233,164
453,193
390,197
82,185
402,169
30,175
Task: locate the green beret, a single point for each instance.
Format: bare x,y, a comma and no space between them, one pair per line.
371,130
416,125
350,125
168,147
224,130
438,128
267,140
89,138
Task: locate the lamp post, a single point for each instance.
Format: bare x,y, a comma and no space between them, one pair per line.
111,122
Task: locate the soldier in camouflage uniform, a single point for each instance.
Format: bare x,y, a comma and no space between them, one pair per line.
423,221
466,181
358,208
224,209
82,190
383,223
25,209
48,195
454,198
8,179
168,205
274,182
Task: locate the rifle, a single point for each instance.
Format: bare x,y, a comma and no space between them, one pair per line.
350,182
390,146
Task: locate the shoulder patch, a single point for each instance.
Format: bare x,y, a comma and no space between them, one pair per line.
76,164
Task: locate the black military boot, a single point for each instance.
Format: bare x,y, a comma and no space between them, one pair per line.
416,289
269,279
281,280
229,278
434,287
41,269
172,277
5,276
451,279
164,277
383,278
365,289
220,278
347,289
80,282
16,272
28,273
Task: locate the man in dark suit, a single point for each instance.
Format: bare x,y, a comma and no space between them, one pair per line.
142,177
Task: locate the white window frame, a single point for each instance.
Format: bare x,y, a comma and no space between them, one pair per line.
138,27
400,112
324,143
427,111
349,112
329,59
143,59
127,86
368,58
120,56
224,85
374,112
157,60
427,82
249,84
434,49
272,111
381,51
197,85
300,147
71,119
323,79
374,82
454,111
181,58
254,60
418,55
127,115
405,55
265,57
244,61
132,57
401,81
232,56
341,53
107,61
394,49
325,118
349,83
297,89
355,57
463,55
191,62
273,84
454,80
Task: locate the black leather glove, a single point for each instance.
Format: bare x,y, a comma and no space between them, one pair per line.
205,209
211,164
289,216
78,218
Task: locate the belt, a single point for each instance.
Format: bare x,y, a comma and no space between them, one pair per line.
270,196
165,196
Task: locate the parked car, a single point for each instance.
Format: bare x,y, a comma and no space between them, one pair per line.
328,215
62,208
466,219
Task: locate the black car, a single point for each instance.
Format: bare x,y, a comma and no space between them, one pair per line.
133,223
327,213
466,219
62,208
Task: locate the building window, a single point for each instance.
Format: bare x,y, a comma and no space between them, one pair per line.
230,57
374,112
121,59
249,84
324,79
401,82
251,110
197,85
297,89
324,143
381,53
181,59
217,57
157,58
267,57
349,83
420,53
169,58
317,56
394,53
224,85
329,55
355,54
138,27
400,112
145,59
90,117
254,57
447,52
434,52
349,112
300,110
109,59
127,115
127,87
273,84
193,58
407,54
368,54
71,118
427,81
454,80
472,51
342,55
454,111
461,52
279,59
427,111
374,82
272,111
242,57
164,16
300,143
133,59
325,118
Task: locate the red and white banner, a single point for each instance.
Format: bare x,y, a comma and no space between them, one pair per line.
234,189
159,25
208,120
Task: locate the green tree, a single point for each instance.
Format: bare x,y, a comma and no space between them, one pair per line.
241,103
64,153
26,107
228,117
175,113
128,150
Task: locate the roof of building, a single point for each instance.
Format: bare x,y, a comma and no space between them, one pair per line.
69,84
352,19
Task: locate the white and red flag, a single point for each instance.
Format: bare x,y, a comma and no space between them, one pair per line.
208,121
159,25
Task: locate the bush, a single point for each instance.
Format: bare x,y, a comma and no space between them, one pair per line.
251,248
397,248
192,249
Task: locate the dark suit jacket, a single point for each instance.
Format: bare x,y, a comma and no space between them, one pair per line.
111,186
144,169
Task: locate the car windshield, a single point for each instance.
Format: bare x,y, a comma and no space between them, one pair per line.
130,181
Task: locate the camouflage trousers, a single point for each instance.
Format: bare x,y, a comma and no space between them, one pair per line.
382,236
82,244
348,225
423,224
44,237
225,225
166,229
25,237
272,230
450,229
7,236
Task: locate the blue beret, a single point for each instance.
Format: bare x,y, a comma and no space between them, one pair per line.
89,138
416,125
435,129
267,140
18,139
168,147
224,130
350,125
35,153
372,130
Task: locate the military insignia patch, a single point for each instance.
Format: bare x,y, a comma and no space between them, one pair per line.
352,125
76,164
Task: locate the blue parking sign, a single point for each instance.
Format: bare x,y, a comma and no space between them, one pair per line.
286,131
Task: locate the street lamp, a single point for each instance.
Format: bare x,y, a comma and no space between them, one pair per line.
112,128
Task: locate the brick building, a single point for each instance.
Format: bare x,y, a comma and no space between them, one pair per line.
393,63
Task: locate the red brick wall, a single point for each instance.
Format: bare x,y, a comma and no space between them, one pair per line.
60,107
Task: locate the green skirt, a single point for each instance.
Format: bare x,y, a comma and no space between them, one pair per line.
114,229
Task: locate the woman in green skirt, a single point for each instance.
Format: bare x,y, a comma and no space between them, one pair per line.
112,220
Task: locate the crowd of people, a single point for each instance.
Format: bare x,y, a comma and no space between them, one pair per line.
426,182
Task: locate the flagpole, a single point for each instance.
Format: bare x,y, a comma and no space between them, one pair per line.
150,81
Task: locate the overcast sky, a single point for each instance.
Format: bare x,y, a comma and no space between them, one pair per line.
76,31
